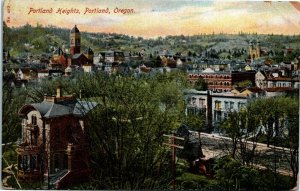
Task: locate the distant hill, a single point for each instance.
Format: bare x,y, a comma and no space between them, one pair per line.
44,39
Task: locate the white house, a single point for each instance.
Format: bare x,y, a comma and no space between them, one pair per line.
215,106
260,79
224,103
197,102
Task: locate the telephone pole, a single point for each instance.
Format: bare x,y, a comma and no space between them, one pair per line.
171,143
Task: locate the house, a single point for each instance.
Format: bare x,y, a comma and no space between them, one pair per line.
215,106
112,56
260,79
250,92
144,69
26,74
279,91
78,59
59,57
197,102
283,82
248,68
224,103
87,67
180,62
54,141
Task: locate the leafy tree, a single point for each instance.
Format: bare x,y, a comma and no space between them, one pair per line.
228,172
246,83
277,117
13,100
200,84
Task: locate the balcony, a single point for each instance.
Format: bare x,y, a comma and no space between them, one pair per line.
218,109
30,176
27,148
195,110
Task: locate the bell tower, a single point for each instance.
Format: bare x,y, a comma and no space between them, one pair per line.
74,41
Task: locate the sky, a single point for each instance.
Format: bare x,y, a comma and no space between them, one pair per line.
153,18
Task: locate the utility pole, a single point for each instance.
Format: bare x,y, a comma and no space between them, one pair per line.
171,143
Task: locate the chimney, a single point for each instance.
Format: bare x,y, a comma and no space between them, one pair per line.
58,92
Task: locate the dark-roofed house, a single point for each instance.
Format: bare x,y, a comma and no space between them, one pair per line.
78,59
54,141
59,57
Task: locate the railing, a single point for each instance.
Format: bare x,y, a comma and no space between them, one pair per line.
29,175
195,109
24,147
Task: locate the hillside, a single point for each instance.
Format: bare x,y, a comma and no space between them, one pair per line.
40,39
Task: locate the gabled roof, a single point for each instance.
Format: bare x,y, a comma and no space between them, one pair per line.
58,51
76,56
253,89
88,51
74,107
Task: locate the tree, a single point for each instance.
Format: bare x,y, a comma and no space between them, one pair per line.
277,117
12,99
200,84
126,128
246,83
232,127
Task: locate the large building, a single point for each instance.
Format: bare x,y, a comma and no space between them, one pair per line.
222,81
61,60
54,144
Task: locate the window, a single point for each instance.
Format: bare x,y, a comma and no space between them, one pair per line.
33,120
25,162
193,101
217,105
218,116
231,104
241,105
201,102
33,162
226,105
225,115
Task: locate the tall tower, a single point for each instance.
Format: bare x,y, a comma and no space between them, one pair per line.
74,41
254,51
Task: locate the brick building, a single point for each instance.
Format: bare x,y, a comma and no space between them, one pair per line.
62,60
54,144
222,81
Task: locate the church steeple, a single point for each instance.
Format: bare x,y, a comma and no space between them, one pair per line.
74,41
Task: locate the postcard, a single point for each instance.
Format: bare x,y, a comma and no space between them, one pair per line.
140,94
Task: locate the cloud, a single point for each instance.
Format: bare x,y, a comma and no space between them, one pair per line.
170,17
